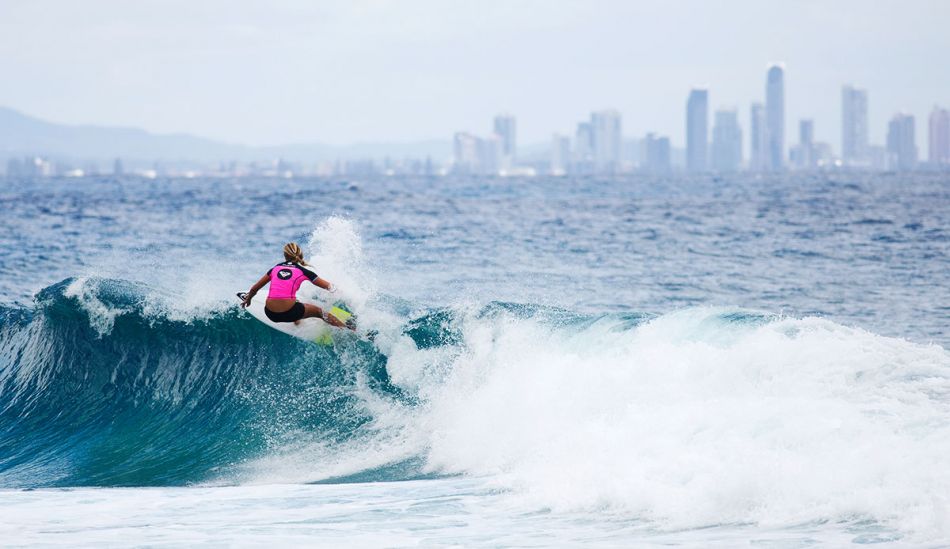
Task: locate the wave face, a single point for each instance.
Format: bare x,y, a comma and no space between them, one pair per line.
704,416
95,392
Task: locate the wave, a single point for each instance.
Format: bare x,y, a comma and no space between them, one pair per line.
95,391
697,417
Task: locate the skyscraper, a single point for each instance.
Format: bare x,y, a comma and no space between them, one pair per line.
854,126
489,155
759,150
697,132
606,133
726,141
474,155
939,151
657,154
466,149
584,148
775,116
901,147
805,153
506,130
560,154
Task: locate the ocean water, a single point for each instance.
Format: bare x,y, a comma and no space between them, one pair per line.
609,362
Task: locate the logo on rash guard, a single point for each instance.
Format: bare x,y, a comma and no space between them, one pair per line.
284,274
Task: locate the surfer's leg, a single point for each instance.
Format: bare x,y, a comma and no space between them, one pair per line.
312,311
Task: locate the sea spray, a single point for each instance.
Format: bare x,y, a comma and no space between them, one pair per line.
701,417
336,251
706,416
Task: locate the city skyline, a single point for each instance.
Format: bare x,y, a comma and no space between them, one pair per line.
723,151
357,71
853,145
600,147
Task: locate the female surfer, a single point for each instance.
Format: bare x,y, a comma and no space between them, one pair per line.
285,279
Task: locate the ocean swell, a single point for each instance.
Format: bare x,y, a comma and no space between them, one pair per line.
141,399
698,417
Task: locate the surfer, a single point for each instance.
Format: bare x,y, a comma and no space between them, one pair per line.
285,279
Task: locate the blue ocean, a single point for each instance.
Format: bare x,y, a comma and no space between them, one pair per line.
611,362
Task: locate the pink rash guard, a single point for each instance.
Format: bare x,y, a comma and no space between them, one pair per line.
286,278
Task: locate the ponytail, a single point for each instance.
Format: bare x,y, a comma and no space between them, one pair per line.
294,254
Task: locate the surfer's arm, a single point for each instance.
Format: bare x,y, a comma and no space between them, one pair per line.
316,280
254,289
323,283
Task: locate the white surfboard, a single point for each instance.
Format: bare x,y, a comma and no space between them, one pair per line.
308,329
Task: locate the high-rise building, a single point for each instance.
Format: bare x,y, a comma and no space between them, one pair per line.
939,151
901,147
806,132
726,141
775,116
606,140
854,126
506,130
584,148
805,154
560,154
489,155
697,132
466,151
474,155
657,154
759,147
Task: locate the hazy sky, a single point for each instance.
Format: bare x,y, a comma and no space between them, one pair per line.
340,72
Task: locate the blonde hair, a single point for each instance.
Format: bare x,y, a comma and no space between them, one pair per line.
292,252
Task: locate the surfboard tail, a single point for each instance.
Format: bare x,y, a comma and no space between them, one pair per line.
343,313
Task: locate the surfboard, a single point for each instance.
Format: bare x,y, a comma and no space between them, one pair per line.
308,329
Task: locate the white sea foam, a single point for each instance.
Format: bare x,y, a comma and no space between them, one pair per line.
693,419
430,513
690,420
101,316
336,251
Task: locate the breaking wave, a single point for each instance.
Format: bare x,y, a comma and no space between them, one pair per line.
703,416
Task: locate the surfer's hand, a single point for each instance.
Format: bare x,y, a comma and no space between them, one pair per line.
247,300
332,289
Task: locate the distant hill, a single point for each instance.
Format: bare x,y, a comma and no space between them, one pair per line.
24,135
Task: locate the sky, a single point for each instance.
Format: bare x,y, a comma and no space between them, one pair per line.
296,71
